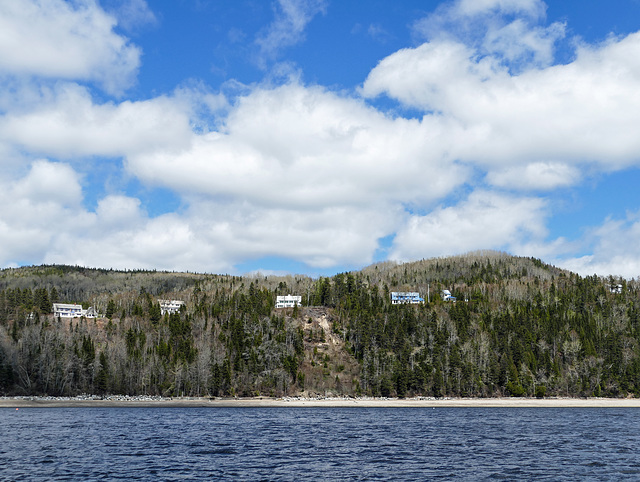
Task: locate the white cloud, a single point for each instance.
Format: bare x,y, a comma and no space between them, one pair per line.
507,30
66,123
317,150
537,175
472,19
214,237
518,43
614,249
165,242
484,221
321,238
44,221
132,14
34,207
292,18
430,76
585,111
48,182
468,8
118,211
65,40
320,183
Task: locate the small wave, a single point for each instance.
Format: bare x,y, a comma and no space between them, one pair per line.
221,451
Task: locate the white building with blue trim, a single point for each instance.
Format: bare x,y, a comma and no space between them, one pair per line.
446,296
405,297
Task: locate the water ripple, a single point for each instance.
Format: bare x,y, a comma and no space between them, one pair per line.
315,443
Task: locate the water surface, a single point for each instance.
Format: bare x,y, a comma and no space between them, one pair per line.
320,444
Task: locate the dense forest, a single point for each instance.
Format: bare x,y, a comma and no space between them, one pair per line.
519,327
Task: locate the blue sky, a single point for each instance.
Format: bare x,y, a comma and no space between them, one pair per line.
315,136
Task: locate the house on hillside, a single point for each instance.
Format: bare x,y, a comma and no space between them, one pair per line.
170,306
65,310
91,312
446,296
616,289
405,297
288,301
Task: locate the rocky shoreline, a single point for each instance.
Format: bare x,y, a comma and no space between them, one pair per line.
319,401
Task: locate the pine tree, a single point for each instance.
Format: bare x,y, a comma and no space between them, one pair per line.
111,308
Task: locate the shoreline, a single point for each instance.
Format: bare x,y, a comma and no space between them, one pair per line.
265,402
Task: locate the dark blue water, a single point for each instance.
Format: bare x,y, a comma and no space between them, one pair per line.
319,444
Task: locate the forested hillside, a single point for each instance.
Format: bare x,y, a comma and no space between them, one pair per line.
519,328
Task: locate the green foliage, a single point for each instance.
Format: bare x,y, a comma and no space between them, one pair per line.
102,378
111,309
155,312
514,389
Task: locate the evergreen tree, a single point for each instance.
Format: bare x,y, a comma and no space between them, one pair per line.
111,309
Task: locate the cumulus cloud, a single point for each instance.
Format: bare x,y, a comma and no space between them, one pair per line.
119,212
537,175
613,248
581,112
214,236
321,183
165,242
519,44
317,150
508,30
66,122
65,40
46,221
34,207
49,182
485,220
320,238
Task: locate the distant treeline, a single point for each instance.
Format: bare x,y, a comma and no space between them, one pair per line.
520,328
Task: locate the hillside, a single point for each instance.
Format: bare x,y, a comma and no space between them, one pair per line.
519,327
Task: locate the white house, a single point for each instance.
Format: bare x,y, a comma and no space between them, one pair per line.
170,306
446,296
288,301
64,310
402,297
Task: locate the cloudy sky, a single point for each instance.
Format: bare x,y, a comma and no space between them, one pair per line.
319,136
